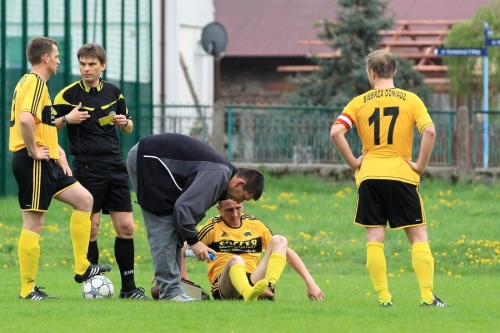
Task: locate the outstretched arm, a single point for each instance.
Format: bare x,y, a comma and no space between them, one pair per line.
313,291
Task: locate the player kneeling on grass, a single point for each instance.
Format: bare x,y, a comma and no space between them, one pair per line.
237,271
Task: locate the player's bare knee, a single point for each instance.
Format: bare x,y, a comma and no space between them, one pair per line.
125,230
85,201
123,223
235,260
279,241
94,230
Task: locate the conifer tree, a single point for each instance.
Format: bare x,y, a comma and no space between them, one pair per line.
355,33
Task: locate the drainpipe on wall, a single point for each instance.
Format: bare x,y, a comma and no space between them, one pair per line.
162,67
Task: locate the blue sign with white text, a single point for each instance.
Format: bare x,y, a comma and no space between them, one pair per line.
493,42
461,51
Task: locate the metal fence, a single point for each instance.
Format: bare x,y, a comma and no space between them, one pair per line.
298,134
122,27
193,120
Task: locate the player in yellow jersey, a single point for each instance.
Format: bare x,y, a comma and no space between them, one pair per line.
238,271
42,172
386,177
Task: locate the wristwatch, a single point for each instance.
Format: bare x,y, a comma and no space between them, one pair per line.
64,121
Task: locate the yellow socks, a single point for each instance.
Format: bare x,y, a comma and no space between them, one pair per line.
239,279
377,268
79,227
29,253
423,265
275,267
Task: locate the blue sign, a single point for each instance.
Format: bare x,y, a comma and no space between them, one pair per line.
493,42
477,52
461,51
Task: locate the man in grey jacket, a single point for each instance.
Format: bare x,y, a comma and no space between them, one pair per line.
177,178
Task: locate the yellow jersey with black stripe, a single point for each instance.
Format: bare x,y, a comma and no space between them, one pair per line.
32,95
385,120
248,241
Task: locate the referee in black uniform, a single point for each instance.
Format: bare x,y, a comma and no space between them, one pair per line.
98,165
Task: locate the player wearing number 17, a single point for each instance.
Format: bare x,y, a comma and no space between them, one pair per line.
387,178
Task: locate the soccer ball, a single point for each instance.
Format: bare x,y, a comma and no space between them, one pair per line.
98,287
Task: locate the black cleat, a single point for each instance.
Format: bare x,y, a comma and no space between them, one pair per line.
269,294
37,295
91,271
137,293
436,303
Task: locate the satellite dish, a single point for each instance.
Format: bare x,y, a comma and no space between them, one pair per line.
214,39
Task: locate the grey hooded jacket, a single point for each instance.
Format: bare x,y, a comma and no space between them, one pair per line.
181,176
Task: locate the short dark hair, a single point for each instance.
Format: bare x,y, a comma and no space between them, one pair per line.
254,181
222,200
92,51
382,63
38,47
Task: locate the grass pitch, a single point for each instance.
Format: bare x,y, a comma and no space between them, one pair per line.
316,217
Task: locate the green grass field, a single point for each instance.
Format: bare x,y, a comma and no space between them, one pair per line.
316,217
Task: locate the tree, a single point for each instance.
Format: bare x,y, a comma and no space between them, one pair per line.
355,33
466,73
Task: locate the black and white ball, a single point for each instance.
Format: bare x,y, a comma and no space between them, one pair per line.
98,286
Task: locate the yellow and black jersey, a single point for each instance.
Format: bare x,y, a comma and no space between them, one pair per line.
32,95
247,241
89,137
384,120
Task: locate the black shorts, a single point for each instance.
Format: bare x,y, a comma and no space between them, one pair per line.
106,178
38,181
382,201
215,289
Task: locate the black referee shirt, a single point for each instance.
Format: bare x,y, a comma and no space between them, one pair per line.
89,137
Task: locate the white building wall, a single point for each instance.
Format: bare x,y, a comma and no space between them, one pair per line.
184,23
185,20
194,15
